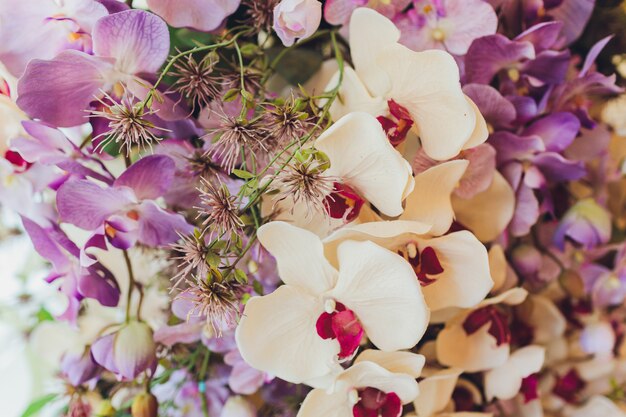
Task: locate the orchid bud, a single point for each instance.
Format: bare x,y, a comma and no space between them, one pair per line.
296,19
134,349
526,259
105,409
586,223
145,405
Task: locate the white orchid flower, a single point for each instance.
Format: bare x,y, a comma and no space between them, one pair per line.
300,331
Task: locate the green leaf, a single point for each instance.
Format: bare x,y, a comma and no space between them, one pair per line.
241,276
243,174
230,95
247,95
44,315
213,259
258,288
37,405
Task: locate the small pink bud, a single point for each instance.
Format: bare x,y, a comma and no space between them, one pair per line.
296,19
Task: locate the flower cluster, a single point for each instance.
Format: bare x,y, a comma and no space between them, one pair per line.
300,208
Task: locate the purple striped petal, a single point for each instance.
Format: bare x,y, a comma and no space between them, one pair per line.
138,40
59,91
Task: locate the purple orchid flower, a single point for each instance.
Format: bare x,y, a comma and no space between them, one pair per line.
444,24
532,159
78,368
48,27
79,280
607,287
126,46
338,12
126,211
586,223
49,146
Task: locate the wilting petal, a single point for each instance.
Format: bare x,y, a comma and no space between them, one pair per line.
505,381
430,201
490,54
320,403
150,177
354,96
392,310
487,214
134,350
205,15
361,156
370,375
87,205
277,335
158,227
139,41
371,33
60,90
298,250
427,85
436,391
395,362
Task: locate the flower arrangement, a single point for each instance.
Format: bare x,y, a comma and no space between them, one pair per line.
301,208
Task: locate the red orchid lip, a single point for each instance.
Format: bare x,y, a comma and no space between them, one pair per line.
343,325
397,129
498,323
425,264
344,202
376,403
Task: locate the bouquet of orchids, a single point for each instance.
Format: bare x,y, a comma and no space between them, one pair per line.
319,209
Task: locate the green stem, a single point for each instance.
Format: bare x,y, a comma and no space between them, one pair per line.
132,284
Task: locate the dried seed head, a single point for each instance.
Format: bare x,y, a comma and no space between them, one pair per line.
196,81
192,257
219,208
286,122
236,134
127,125
260,14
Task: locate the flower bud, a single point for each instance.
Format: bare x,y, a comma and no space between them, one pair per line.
145,405
296,19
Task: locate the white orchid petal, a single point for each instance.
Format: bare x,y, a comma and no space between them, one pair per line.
299,256
497,266
320,403
436,391
430,201
481,132
380,287
353,96
369,374
487,214
361,155
505,381
395,362
277,335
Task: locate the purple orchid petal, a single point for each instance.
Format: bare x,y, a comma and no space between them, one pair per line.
158,227
205,15
587,223
179,333
338,12
590,144
593,55
45,245
122,231
526,211
102,353
557,169
497,111
479,174
557,130
549,67
59,91
422,162
150,177
543,35
98,283
513,147
114,6
79,368
87,205
96,241
134,350
138,40
525,108
574,14
490,54
50,144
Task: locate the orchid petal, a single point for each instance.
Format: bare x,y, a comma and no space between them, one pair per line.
436,391
149,177
395,362
321,403
298,250
277,335
377,302
205,15
370,375
158,227
505,381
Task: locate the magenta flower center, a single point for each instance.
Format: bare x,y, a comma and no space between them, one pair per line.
497,320
375,403
342,325
529,388
568,386
343,202
426,263
398,124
